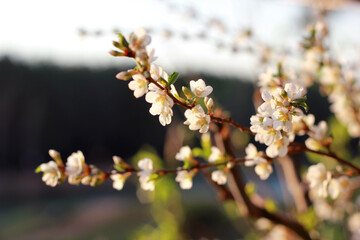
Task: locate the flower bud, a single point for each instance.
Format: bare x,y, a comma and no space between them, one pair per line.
125,75
117,159
86,180
187,92
209,103
116,53
230,165
54,154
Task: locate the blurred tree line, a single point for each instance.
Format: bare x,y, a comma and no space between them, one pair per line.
46,106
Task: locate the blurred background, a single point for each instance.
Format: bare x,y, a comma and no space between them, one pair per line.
58,91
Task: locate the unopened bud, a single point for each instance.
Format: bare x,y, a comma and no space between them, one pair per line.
187,92
209,103
230,165
116,44
285,103
86,180
116,53
125,75
117,159
53,154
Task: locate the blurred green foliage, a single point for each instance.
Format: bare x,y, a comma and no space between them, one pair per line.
165,201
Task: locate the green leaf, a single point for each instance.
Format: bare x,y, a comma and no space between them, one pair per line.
38,169
206,145
301,104
187,165
308,219
250,188
172,78
197,152
116,44
187,92
270,205
163,81
122,41
119,167
303,99
154,176
116,53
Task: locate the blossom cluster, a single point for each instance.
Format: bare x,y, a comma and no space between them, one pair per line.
337,82
323,184
273,123
152,81
278,120
77,171
185,154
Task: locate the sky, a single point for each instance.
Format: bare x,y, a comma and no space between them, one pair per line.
48,31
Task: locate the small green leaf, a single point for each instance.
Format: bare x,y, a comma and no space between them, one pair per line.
197,152
172,78
163,81
187,92
303,99
119,167
154,176
116,44
250,188
270,205
38,169
122,41
308,219
301,104
187,165
116,53
206,144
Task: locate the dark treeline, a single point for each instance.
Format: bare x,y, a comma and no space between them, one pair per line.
68,109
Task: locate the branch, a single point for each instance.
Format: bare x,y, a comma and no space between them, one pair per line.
237,187
298,147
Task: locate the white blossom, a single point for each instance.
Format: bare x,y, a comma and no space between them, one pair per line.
326,211
316,174
219,177
263,170
139,39
161,104
184,154
294,91
152,57
74,164
197,119
267,81
118,180
86,180
157,72
278,148
199,88
312,60
51,173
317,136
330,75
146,168
319,179
354,224
301,123
253,157
337,186
184,178
215,154
139,85
282,119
